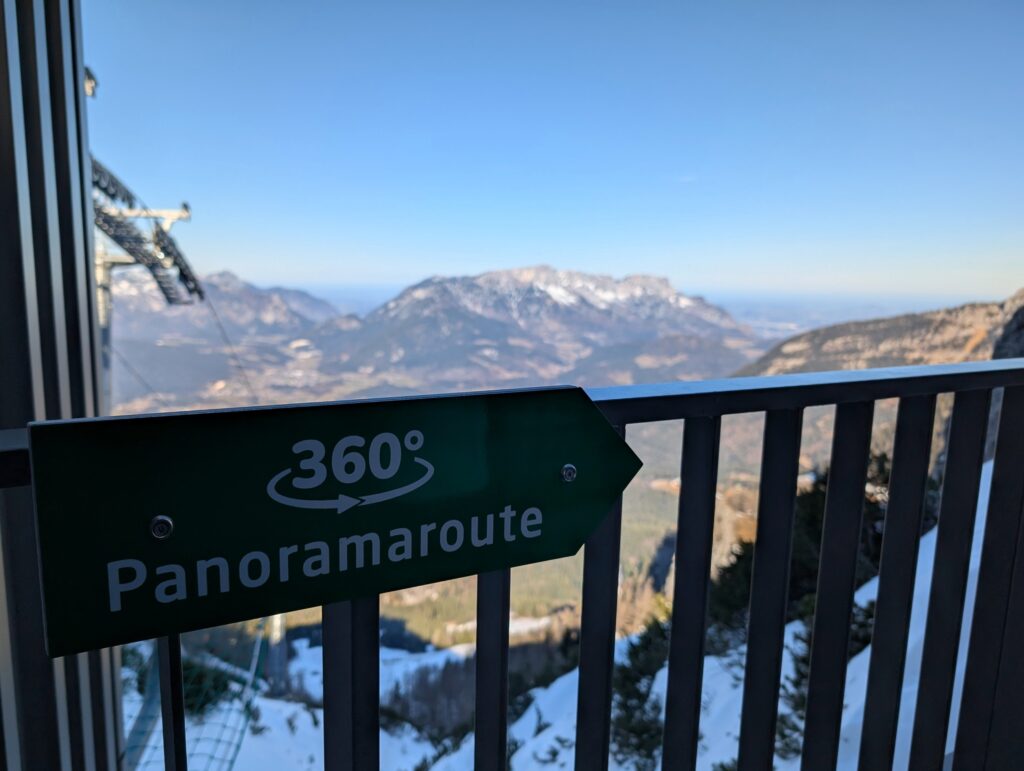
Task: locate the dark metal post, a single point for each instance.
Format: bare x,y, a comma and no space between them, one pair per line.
840,542
34,701
769,588
694,533
351,644
42,204
71,679
492,609
914,422
949,577
172,702
70,194
1005,740
597,641
995,581
104,709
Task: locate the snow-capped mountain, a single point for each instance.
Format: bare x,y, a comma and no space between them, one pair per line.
530,326
536,325
567,306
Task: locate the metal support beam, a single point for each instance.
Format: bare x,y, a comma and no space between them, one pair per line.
172,702
597,641
769,588
351,635
694,535
492,610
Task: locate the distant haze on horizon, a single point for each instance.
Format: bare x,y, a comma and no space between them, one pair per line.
736,148
808,309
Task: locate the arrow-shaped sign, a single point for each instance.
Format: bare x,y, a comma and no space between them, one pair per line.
215,517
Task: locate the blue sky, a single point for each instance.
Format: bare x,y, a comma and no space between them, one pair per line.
732,146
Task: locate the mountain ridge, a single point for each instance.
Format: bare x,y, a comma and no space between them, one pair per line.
526,326
968,332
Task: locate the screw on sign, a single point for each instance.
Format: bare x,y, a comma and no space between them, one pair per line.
161,527
280,508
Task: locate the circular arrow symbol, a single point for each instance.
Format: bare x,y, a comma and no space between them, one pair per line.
344,502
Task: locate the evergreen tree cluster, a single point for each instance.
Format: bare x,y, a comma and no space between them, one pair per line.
636,718
730,592
636,714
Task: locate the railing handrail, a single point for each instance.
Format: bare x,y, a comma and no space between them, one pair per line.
675,400
726,396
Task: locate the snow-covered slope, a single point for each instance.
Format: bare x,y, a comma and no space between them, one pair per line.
396,666
292,738
283,735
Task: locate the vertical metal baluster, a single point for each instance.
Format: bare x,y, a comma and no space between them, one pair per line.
117,697
995,576
74,261
949,578
85,275
9,728
840,542
694,532
351,645
104,711
32,380
43,199
769,588
172,702
1005,739
66,676
63,733
911,452
32,671
91,748
492,609
597,641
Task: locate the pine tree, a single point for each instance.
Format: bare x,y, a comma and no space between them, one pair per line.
636,714
730,592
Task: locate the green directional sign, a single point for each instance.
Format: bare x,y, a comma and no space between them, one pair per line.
166,523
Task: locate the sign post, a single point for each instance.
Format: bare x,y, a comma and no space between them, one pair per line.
221,516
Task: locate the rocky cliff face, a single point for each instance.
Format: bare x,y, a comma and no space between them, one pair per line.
965,333
1010,343
972,332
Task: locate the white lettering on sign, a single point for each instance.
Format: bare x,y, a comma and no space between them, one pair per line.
351,457
174,583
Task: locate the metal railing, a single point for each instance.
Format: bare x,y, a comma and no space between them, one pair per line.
991,709
989,705
783,400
